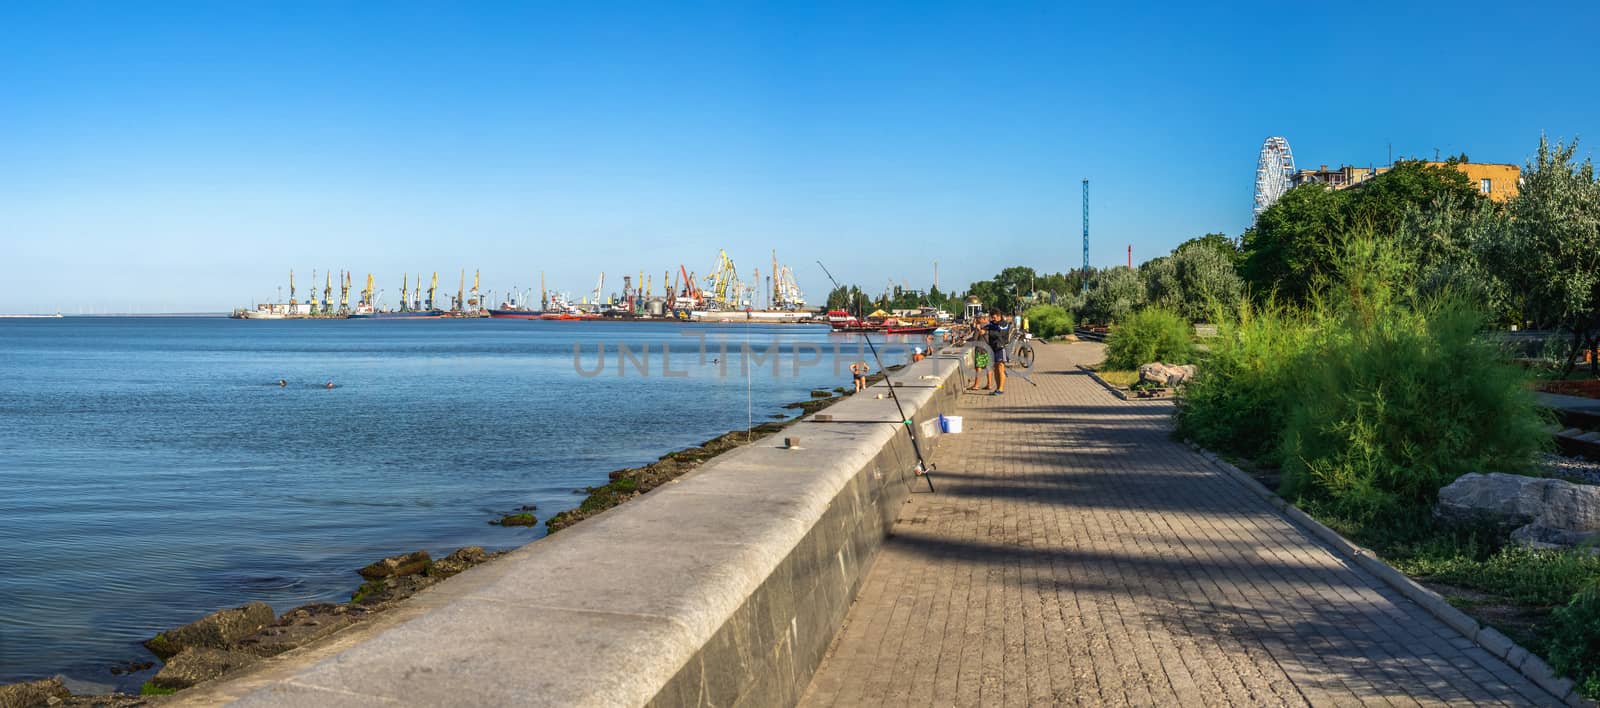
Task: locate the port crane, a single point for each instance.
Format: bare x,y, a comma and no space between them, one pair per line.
327,293
724,282
291,289
313,301
344,292
432,286
405,292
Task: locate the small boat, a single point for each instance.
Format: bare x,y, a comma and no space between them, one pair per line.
913,329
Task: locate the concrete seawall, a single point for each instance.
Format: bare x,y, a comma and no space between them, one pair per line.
723,588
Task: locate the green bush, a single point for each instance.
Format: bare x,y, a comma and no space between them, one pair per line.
1048,320
1151,334
1241,392
1396,397
1574,646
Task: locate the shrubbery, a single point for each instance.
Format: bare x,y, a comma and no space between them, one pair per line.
1370,398
1151,334
1395,403
1049,320
1237,403
1574,645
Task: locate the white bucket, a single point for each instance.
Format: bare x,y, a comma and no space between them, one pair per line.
950,423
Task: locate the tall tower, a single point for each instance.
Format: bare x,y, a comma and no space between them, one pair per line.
1086,234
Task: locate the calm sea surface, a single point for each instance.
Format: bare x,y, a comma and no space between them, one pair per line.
152,470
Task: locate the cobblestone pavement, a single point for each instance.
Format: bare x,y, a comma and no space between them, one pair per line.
1074,553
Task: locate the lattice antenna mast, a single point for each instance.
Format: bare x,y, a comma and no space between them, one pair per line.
1086,234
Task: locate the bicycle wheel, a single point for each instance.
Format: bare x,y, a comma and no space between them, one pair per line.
1025,355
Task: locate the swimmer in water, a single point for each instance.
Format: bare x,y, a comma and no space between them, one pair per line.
330,384
282,383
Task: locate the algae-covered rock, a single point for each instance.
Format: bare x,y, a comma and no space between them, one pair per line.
216,630
299,627
462,559
193,666
522,519
395,566
29,694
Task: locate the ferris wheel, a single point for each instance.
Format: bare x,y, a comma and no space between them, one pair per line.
1274,168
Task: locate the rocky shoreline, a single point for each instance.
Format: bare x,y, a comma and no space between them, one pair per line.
229,640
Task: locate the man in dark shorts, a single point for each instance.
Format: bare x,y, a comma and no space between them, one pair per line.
998,334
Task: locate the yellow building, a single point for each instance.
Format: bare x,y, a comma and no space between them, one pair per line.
1497,182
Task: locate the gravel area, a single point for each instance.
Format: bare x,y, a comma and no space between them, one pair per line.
1576,469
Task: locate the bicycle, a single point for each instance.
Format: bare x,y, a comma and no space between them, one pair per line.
1019,350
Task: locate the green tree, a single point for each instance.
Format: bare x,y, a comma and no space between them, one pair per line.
1384,202
1294,242
1221,243
1115,294
1549,253
1206,278
1161,283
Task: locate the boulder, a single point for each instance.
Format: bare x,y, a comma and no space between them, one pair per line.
1545,512
395,566
462,559
298,627
193,666
216,630
1166,374
44,692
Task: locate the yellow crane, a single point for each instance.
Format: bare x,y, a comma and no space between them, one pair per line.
405,292
432,286
461,293
291,289
327,293
313,300
475,299
366,295
416,294
724,281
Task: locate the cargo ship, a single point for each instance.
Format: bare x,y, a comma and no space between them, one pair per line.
398,315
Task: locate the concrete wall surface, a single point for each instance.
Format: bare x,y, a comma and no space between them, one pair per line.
724,587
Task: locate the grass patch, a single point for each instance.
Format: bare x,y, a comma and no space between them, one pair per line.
1121,378
150,689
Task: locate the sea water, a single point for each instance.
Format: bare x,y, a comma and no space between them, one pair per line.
153,470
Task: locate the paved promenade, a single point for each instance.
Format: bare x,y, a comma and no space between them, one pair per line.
1075,554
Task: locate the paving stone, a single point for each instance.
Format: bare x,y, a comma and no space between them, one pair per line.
1076,554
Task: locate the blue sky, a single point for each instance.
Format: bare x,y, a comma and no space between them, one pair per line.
183,156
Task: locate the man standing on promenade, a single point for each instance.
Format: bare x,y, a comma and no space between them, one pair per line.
998,332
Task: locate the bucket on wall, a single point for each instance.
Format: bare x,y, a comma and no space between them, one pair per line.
950,423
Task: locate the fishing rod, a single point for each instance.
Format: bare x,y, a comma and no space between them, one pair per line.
922,469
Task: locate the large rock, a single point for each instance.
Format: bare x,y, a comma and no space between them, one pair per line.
454,563
216,630
200,664
299,627
1166,374
44,692
1546,512
408,564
